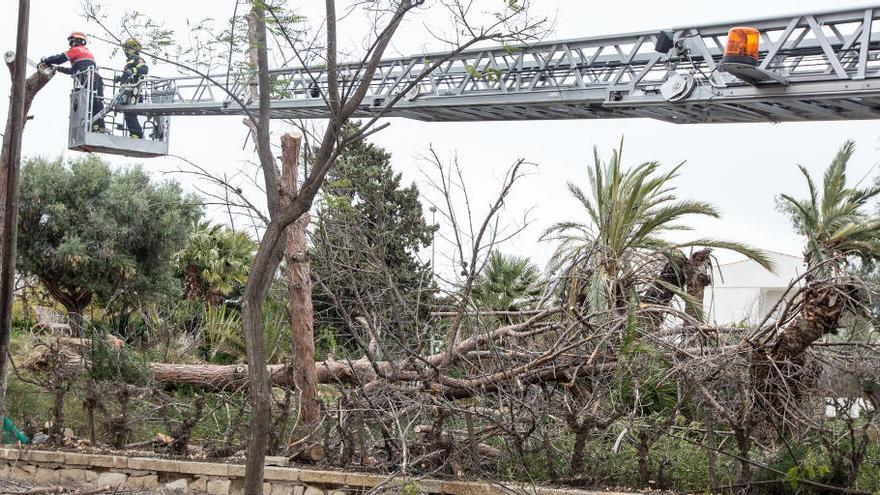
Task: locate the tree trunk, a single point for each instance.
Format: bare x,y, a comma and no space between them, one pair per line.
697,278
192,285
10,160
32,86
779,375
660,292
299,283
58,393
711,455
260,277
643,456
314,452
671,275
744,444
549,455
253,56
820,315
234,376
576,462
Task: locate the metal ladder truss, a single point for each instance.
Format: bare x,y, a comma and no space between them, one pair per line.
830,62
86,133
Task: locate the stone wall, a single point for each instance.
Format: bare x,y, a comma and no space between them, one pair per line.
178,476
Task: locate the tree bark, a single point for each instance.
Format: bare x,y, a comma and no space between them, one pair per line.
711,455
576,462
299,284
779,374
9,168
311,453
260,277
360,371
821,312
697,278
744,444
671,275
234,376
270,250
33,84
74,302
253,57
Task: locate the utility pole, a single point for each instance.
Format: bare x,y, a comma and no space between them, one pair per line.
10,216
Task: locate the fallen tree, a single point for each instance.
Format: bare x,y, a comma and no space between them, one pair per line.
363,371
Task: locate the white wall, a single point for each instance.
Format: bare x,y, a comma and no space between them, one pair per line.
743,291
732,305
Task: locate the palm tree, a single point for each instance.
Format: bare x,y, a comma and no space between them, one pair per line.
215,262
507,283
836,227
620,248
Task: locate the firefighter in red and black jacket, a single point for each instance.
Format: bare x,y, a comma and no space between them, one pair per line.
81,59
134,71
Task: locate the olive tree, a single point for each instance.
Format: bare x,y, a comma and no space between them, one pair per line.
87,231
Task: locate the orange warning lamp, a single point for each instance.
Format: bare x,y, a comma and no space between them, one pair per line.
742,46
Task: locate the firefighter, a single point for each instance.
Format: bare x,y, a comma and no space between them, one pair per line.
81,59
134,71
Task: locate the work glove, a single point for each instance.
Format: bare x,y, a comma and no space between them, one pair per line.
124,78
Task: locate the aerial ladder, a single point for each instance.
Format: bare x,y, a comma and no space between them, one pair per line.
807,67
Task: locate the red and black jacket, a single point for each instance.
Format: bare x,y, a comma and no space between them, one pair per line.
80,59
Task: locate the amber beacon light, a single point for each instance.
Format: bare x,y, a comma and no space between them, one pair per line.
742,46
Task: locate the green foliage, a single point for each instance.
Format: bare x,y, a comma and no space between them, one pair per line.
628,212
215,263
799,461
410,489
834,220
491,74
86,230
507,283
224,335
367,237
643,382
326,343
108,362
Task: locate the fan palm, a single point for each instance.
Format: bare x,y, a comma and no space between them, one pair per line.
628,212
836,226
214,264
507,283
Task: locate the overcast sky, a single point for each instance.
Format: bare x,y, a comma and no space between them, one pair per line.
737,167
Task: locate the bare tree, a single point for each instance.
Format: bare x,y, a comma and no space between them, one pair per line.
342,101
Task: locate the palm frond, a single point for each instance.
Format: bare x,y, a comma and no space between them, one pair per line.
758,256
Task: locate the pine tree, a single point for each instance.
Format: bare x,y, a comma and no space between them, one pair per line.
368,233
